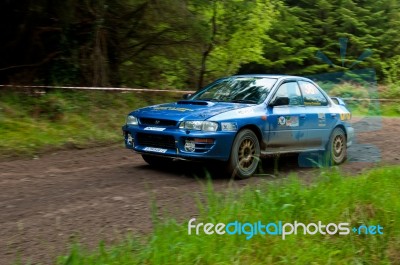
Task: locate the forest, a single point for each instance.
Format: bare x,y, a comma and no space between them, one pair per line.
184,44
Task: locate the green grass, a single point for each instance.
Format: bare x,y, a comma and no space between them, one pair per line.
31,123
371,198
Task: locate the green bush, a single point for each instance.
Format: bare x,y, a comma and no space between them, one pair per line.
348,90
391,91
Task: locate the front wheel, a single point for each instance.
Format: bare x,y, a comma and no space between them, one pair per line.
245,154
336,151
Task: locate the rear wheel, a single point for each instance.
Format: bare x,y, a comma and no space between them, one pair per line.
336,151
245,155
155,160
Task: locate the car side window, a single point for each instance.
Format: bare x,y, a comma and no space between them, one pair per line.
292,91
312,95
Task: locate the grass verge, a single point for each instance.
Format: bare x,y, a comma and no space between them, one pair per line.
31,123
371,198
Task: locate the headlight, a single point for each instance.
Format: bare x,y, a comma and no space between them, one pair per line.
208,126
132,120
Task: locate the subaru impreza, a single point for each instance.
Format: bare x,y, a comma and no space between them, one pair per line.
238,120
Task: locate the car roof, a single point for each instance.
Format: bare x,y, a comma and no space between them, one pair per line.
276,76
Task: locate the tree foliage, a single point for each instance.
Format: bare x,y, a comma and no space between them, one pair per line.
187,43
305,27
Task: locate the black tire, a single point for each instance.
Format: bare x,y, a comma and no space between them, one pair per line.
336,151
156,161
245,155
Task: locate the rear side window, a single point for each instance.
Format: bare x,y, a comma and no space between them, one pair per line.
312,96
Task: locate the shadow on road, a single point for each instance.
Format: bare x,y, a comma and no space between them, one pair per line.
268,167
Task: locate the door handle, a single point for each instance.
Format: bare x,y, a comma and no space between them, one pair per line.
302,116
333,115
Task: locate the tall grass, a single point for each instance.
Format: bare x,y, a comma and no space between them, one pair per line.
372,198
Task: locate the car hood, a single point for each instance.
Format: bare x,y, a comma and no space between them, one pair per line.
187,110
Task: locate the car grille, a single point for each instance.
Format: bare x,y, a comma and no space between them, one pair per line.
156,140
157,122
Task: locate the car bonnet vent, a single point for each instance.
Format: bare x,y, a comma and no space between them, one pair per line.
192,102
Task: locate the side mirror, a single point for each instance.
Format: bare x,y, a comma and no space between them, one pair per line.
280,101
186,96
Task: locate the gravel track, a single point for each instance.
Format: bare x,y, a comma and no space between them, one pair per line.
103,193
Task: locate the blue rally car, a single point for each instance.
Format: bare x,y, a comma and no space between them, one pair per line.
239,119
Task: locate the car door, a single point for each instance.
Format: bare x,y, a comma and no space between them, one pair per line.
286,121
319,120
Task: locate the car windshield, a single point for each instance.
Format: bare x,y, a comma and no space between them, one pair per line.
252,90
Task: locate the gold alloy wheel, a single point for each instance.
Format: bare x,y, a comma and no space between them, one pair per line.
245,154
247,150
338,147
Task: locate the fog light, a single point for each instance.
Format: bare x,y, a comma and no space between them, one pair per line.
190,146
129,140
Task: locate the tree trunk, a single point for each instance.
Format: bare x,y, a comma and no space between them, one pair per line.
210,46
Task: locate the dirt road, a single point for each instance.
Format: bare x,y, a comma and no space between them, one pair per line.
103,193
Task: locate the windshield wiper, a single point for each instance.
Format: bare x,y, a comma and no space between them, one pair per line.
244,101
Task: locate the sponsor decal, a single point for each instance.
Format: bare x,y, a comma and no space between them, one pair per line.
345,116
312,103
281,120
172,108
245,111
157,150
292,121
309,89
321,120
289,121
158,129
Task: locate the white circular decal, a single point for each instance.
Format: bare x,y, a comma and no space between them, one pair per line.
281,120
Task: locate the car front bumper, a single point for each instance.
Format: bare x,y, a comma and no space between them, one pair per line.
179,143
